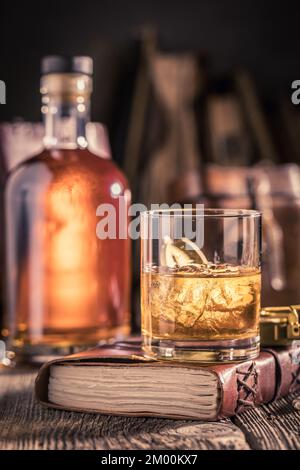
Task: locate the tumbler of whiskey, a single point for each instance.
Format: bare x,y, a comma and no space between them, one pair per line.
200,284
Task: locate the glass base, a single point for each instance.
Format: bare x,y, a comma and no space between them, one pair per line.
217,351
50,347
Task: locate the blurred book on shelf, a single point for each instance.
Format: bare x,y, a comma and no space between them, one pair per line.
287,130
225,136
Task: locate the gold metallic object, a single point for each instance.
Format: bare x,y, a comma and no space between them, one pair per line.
279,326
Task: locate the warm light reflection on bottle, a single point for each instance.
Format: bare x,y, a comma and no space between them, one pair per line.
66,285
72,254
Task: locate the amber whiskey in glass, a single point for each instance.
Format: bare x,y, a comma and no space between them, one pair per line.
201,284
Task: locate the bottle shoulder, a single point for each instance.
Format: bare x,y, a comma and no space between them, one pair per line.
72,170
55,163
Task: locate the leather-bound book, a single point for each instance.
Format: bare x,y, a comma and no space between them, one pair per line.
117,379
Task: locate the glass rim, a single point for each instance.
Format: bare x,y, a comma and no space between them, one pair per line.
205,213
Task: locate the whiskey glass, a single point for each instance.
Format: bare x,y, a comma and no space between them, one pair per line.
201,284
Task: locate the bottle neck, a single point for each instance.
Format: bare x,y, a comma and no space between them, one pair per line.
66,110
65,124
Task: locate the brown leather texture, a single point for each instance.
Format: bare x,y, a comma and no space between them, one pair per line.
274,373
246,384
287,361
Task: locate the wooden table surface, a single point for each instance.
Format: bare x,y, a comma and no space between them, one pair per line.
24,424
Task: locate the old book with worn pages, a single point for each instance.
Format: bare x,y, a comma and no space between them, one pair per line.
118,380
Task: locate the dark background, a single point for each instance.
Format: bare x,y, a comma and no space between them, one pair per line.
262,36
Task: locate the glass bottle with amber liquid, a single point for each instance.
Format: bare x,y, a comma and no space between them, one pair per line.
67,284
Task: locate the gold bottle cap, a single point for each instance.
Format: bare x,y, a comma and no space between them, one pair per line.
67,78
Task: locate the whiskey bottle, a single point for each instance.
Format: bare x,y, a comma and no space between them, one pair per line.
66,287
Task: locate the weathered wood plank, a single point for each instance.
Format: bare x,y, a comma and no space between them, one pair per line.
24,424
275,426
